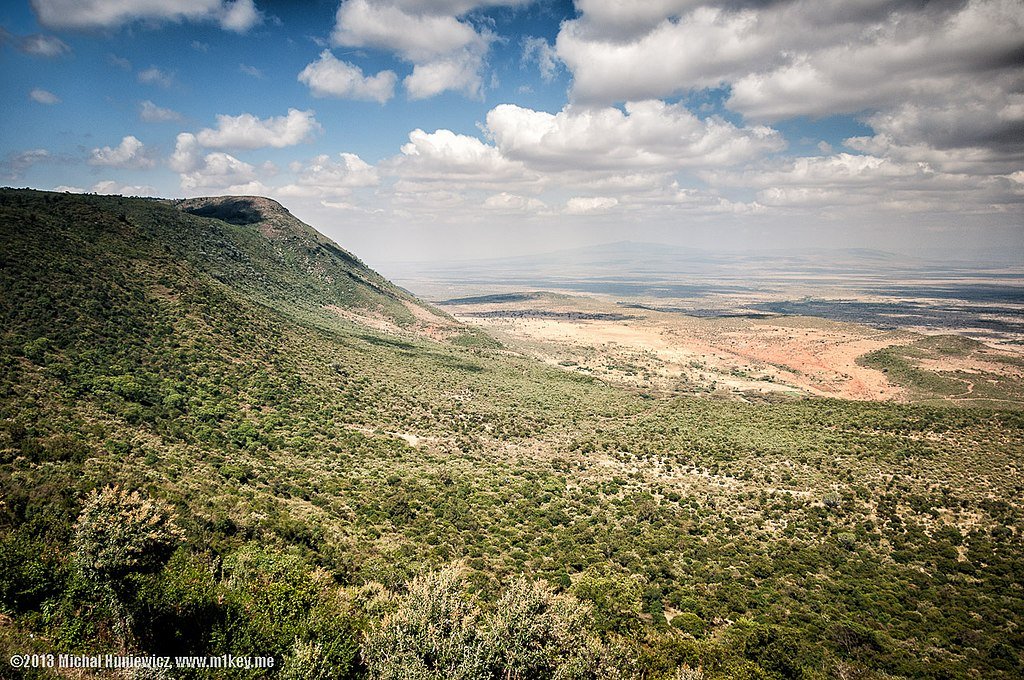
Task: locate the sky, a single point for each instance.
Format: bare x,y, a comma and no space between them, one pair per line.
451,129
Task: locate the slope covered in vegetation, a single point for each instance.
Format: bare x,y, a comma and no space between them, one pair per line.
199,455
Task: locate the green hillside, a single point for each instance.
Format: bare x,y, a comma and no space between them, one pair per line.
220,433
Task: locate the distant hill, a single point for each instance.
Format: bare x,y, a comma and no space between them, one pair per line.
251,245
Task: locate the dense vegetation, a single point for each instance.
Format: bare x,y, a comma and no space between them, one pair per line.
198,456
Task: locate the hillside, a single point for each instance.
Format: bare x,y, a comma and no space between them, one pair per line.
221,434
252,246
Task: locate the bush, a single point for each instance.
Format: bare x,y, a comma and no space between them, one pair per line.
119,533
688,622
533,633
431,635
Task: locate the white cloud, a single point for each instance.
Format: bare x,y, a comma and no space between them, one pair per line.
323,176
459,72
330,77
621,20
864,182
151,113
648,135
39,45
246,131
219,171
238,16
539,51
109,186
974,115
443,156
447,52
351,172
250,70
41,96
589,205
513,203
417,37
130,153
963,160
155,76
810,58
671,57
186,156
610,158
119,62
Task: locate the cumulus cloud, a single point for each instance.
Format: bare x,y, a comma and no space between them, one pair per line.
589,205
109,187
459,72
130,153
811,58
513,203
415,36
331,77
649,134
845,180
447,51
151,113
444,156
322,176
603,154
220,171
238,16
964,160
41,96
187,152
246,131
976,115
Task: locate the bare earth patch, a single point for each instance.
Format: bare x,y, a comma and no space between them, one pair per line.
673,353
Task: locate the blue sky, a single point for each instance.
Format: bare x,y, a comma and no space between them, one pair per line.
427,129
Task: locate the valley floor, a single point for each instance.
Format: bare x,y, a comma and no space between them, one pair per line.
745,355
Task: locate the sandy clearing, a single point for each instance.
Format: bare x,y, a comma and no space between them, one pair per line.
737,354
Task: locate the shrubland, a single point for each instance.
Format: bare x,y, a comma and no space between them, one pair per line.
199,457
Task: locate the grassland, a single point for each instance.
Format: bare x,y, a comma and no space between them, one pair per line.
352,500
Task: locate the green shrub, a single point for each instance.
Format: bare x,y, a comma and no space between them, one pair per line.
688,622
533,633
121,532
433,634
